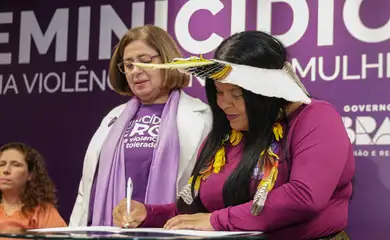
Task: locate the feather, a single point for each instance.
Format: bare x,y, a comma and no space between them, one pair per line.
235,137
265,186
259,200
177,63
266,82
280,83
216,71
290,70
186,195
219,159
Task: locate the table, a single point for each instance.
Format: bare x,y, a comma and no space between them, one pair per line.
111,236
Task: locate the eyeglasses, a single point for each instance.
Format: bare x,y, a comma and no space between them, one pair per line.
127,66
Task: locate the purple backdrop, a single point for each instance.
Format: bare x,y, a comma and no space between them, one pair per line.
54,91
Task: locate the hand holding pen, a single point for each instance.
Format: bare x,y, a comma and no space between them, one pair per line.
129,213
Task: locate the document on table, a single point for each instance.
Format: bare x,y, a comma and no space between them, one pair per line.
117,230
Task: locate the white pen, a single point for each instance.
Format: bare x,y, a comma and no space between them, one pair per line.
129,193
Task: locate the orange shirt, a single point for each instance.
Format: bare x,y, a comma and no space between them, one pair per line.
40,218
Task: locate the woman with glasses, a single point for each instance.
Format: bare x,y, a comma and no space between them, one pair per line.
153,138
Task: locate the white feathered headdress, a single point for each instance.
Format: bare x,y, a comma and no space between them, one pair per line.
280,83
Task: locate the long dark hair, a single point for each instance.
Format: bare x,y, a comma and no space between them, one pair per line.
257,49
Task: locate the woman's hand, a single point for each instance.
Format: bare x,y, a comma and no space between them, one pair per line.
198,221
134,219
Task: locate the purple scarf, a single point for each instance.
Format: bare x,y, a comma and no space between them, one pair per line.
111,182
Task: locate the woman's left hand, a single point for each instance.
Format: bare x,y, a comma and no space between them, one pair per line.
198,221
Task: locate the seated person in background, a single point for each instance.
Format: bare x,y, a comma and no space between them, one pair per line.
275,161
27,195
153,138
